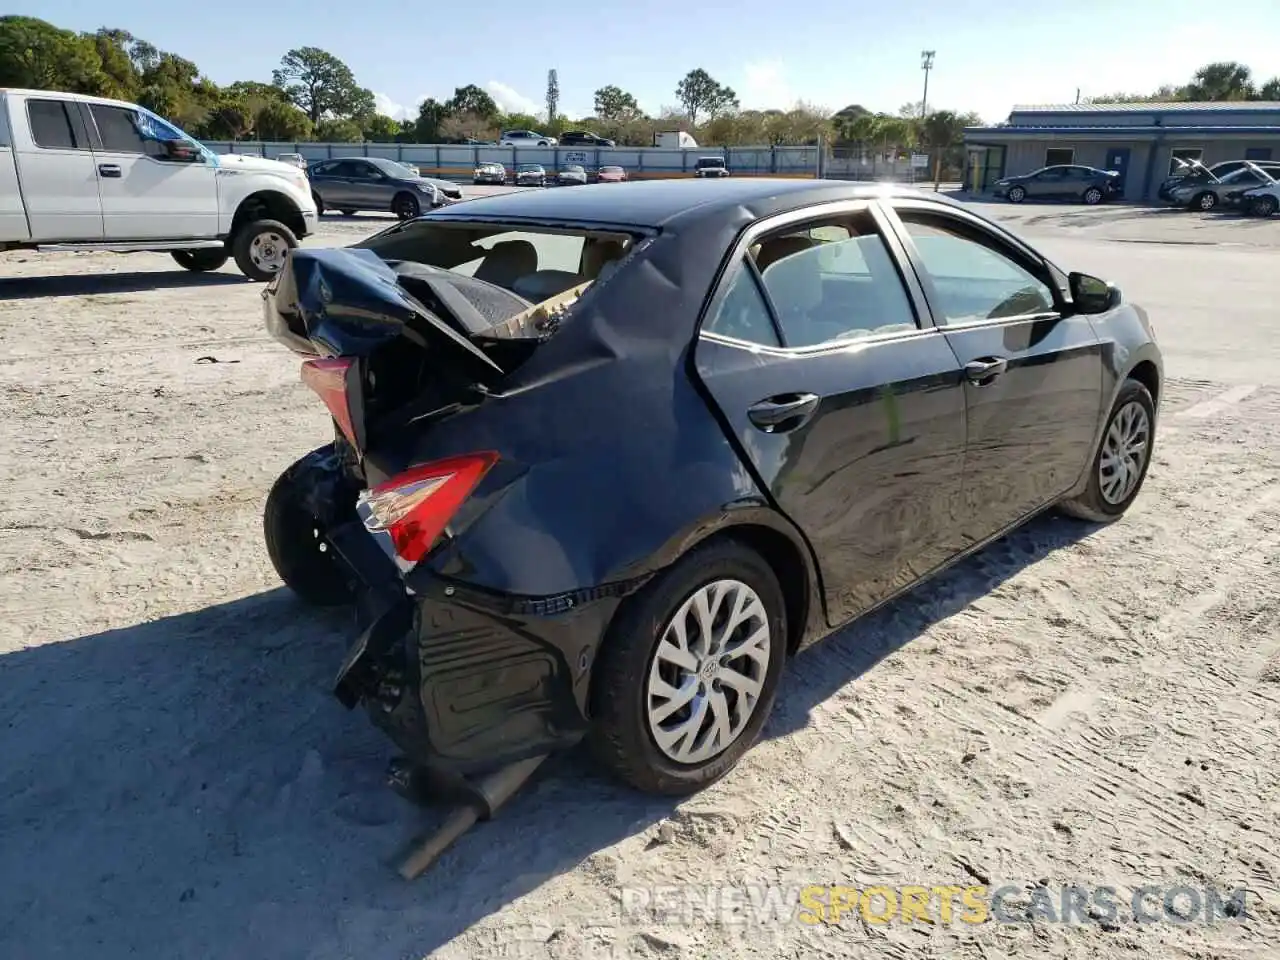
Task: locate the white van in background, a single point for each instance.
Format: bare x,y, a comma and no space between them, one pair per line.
675,140
87,173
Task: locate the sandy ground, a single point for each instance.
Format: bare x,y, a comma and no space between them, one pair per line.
1072,706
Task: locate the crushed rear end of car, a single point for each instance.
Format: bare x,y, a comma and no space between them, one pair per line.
477,624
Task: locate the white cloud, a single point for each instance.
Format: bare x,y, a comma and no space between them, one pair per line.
765,87
510,100
397,111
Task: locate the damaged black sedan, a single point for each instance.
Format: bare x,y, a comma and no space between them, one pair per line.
604,459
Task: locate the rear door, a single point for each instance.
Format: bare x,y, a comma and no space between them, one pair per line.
55,165
146,195
332,181
846,403
1033,381
371,188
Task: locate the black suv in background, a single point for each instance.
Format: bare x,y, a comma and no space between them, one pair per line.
581,138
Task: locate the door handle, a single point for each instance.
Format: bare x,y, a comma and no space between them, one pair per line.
109,169
784,412
982,371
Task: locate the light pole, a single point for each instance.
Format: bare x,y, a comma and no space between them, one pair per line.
926,64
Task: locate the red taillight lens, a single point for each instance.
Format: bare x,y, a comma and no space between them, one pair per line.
414,507
329,379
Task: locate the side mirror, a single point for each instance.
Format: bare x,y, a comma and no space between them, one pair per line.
180,151
1091,295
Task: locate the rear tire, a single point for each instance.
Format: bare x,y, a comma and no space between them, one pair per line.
1204,201
348,213
1093,196
201,261
319,204
295,539
1017,194
622,734
262,247
1103,501
1266,206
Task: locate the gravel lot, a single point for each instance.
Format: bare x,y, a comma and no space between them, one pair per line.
1071,706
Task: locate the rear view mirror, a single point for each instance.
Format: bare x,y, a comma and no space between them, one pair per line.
1091,295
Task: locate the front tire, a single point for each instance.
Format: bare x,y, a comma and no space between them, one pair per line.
1266,206
295,538
319,203
201,261
1093,196
1120,465
688,671
406,206
262,247
1017,194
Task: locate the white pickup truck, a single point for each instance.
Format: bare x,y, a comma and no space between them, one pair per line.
85,173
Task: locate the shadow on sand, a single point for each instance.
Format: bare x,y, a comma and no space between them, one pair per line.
189,788
88,284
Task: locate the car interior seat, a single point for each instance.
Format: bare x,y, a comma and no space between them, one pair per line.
508,261
545,284
771,251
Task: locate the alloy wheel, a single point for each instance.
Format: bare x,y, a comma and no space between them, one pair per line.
1124,453
708,672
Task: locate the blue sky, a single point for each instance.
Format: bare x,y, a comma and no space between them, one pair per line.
989,56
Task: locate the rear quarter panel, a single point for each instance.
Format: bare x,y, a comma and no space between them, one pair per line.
612,462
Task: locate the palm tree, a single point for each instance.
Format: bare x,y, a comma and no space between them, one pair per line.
1226,80
942,130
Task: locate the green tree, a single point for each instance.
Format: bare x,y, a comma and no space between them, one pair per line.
614,103
36,54
380,128
121,76
941,130
321,85
282,122
553,96
431,113
471,99
1270,90
1225,80
339,130
700,93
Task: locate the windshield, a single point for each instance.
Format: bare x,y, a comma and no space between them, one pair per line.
391,168
574,170
711,163
530,168
610,169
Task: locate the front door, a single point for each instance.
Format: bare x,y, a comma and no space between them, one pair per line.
55,166
372,189
146,195
1033,370
850,411
1118,160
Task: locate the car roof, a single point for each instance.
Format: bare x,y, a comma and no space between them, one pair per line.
655,203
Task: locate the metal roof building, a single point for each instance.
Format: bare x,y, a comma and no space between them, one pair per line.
1140,140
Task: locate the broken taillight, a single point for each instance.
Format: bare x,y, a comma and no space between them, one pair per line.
412,509
330,378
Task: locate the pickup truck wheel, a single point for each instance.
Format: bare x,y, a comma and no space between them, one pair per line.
319,204
198,261
261,248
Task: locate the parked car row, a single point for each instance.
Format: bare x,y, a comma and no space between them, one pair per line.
1247,185
535,175
573,138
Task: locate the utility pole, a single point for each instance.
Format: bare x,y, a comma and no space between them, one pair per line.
926,64
1077,94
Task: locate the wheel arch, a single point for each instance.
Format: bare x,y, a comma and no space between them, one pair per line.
269,205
